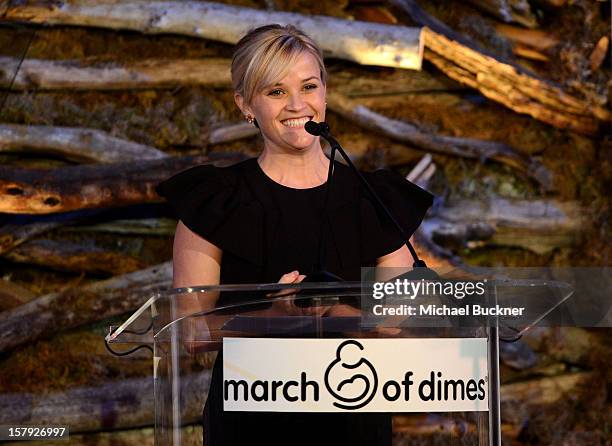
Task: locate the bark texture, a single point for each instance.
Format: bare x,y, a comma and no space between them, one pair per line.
62,310
74,143
44,191
78,75
361,42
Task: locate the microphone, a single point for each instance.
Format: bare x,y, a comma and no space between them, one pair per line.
317,128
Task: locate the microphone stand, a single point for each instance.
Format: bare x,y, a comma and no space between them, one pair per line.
321,274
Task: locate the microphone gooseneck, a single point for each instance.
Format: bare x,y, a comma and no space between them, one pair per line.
322,129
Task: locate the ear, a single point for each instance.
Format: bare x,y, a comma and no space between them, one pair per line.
241,103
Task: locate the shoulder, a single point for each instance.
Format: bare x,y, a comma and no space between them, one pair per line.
393,189
208,176
214,203
397,189
405,201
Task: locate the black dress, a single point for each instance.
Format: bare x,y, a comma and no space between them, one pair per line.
266,230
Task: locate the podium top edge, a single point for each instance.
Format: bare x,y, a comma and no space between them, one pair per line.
347,286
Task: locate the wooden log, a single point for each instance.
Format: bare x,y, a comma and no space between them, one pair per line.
89,75
430,425
529,53
528,43
19,229
211,72
434,255
69,360
501,80
13,295
81,305
599,53
359,83
585,348
422,172
141,226
522,399
537,214
538,99
74,143
516,90
447,145
537,225
542,369
517,355
232,132
373,13
13,235
534,38
386,45
509,11
74,257
127,403
44,191
361,42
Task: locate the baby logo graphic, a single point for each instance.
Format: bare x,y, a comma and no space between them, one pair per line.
351,378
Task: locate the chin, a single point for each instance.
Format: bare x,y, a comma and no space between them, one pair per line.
302,144
302,147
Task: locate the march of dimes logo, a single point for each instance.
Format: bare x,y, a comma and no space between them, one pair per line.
368,375
350,371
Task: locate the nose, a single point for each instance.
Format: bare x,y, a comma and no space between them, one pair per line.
295,102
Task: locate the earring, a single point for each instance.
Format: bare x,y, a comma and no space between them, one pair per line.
249,118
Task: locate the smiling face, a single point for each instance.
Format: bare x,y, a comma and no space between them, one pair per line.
282,109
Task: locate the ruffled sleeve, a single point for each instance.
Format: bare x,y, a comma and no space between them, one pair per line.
408,204
210,201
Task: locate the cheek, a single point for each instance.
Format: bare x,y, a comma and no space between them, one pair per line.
269,114
321,104
263,107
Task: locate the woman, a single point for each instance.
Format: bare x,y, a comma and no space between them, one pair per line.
265,219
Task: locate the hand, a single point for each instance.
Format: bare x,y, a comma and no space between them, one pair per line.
292,277
287,305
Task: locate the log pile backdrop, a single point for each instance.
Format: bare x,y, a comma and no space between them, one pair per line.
507,123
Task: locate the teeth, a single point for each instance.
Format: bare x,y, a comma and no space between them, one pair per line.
296,122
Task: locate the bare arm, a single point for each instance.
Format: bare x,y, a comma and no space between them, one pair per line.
393,264
398,262
195,262
399,258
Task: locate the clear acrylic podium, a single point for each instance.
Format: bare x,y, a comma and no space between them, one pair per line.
185,335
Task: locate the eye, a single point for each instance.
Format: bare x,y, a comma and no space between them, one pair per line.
310,86
275,92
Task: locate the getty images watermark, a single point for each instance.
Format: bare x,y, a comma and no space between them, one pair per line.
392,294
516,298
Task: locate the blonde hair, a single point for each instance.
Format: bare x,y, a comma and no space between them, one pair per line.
263,56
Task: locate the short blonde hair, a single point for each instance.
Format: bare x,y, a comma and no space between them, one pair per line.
263,56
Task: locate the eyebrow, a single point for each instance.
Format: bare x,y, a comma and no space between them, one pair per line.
278,84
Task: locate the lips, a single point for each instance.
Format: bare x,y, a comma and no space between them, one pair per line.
296,122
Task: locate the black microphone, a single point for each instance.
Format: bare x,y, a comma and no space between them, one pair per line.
317,128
